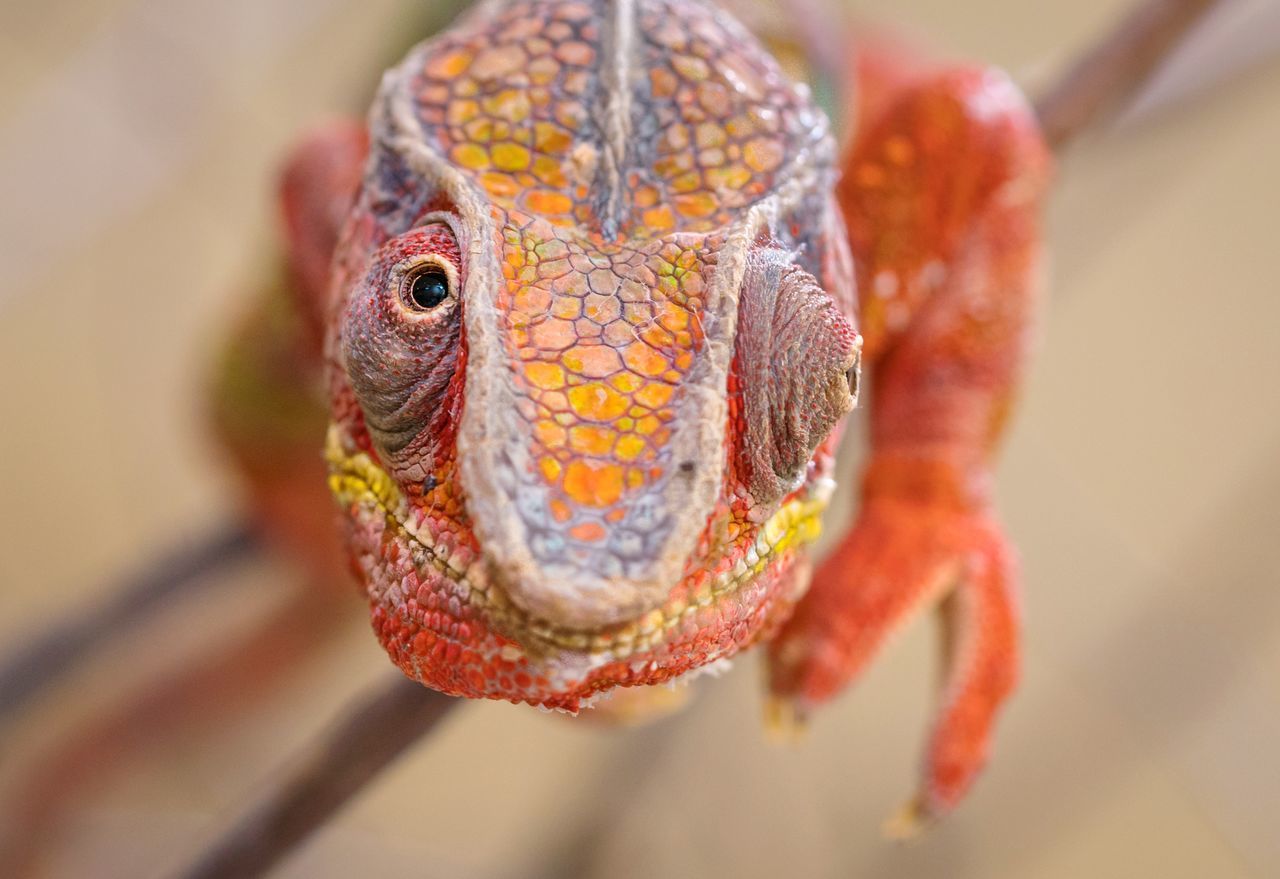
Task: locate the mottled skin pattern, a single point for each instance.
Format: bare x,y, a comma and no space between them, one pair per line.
598,461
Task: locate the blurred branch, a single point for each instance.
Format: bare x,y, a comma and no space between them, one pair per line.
204,693
37,665
369,736
1104,77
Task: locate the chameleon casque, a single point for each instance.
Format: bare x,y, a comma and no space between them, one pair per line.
587,290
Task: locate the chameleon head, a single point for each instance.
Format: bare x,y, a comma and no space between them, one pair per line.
590,336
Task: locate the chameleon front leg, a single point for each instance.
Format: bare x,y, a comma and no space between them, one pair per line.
942,194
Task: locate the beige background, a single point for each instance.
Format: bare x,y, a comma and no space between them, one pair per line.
137,142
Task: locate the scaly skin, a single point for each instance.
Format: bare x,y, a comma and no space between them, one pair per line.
583,469
599,461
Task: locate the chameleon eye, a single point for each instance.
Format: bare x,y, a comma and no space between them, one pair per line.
427,286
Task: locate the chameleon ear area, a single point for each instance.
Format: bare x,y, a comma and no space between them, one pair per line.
797,361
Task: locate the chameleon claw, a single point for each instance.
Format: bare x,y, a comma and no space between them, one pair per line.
785,722
909,822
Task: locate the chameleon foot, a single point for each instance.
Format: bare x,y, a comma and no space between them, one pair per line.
901,557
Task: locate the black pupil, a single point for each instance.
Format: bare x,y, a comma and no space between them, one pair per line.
430,287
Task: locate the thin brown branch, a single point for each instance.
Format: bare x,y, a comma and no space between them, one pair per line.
205,692
367,739
37,665
1108,75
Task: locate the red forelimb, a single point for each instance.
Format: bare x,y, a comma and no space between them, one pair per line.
942,193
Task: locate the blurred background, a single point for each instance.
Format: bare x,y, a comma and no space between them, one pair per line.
139,141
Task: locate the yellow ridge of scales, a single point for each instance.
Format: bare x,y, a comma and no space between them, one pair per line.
355,479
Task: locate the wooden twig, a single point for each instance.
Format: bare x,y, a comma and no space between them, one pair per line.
1108,75
40,663
209,689
369,736
383,725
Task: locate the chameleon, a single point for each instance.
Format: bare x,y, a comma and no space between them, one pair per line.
593,288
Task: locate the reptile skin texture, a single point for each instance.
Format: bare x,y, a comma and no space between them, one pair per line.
600,459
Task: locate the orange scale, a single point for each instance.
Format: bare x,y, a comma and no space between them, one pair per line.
602,309
690,67
448,65
543,70
566,307
545,376
574,284
637,314
550,469
633,290
696,204
729,177
462,112
626,383
654,395
499,185
590,439
714,98
659,220
576,82
594,361
657,336
557,31
673,318
662,82
673,165
549,173
576,53
497,62
553,335
597,401
470,156
588,532
629,447
647,425
618,335
588,329
593,485
644,360
556,402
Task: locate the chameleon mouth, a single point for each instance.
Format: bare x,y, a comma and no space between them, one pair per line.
357,481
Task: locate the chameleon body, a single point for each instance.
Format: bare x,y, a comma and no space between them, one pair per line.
589,335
